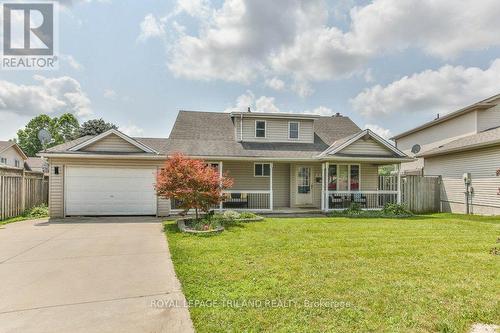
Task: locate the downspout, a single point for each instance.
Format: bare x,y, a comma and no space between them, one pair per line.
241,127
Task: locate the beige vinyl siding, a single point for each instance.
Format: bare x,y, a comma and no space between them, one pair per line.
276,130
435,136
243,177
242,173
482,164
112,143
56,190
369,177
11,154
281,185
163,207
56,182
368,147
489,118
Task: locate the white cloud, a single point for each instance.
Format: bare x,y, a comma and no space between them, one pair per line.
151,27
195,8
132,130
49,95
72,62
443,28
383,132
260,104
443,90
247,39
321,110
302,88
275,84
110,94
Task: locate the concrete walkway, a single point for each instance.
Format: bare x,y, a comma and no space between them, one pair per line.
89,275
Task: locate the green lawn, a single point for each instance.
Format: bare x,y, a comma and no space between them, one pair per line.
425,274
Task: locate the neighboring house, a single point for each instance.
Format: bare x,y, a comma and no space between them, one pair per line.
470,120
11,155
465,143
279,162
37,164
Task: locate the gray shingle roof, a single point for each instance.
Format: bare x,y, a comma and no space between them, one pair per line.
478,140
212,134
69,144
5,144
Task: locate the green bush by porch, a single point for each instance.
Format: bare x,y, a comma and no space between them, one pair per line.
427,273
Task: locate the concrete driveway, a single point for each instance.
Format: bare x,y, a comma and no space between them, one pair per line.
89,275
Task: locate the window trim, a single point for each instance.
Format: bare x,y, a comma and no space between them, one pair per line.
17,163
298,130
260,176
265,129
3,160
348,176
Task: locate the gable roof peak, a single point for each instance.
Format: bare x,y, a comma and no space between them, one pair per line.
116,132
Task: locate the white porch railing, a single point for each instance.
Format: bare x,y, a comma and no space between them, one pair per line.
365,199
247,199
254,200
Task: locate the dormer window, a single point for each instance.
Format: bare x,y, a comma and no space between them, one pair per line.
260,128
293,130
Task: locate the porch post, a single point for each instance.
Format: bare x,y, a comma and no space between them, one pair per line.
399,183
220,182
323,186
327,166
271,186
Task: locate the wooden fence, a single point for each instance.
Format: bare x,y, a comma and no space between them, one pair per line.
21,190
421,194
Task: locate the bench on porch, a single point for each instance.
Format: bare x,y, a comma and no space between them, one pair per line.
337,201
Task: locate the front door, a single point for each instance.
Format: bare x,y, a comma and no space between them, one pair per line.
303,194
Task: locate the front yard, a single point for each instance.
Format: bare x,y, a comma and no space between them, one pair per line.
429,273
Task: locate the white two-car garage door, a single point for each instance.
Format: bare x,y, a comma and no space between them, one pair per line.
110,191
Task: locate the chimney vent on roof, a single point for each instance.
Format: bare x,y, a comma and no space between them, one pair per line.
249,109
437,117
337,114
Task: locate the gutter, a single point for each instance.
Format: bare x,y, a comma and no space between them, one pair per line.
230,158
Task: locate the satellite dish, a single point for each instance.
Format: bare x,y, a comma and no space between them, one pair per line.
44,136
415,149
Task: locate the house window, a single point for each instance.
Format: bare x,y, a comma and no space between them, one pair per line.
344,177
293,130
262,169
214,166
3,160
260,128
16,163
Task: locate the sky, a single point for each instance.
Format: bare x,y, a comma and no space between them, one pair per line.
389,65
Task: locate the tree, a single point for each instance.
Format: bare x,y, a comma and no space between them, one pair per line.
194,183
61,129
95,127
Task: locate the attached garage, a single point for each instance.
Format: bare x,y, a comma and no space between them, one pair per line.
110,191
104,175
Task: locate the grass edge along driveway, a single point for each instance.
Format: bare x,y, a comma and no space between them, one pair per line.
428,273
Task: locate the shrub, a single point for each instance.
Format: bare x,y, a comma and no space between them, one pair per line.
231,215
389,210
392,209
38,211
248,215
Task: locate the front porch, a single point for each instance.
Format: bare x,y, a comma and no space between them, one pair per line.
304,187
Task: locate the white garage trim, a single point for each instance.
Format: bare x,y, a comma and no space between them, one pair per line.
109,190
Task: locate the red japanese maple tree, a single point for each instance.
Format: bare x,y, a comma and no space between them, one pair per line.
192,182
